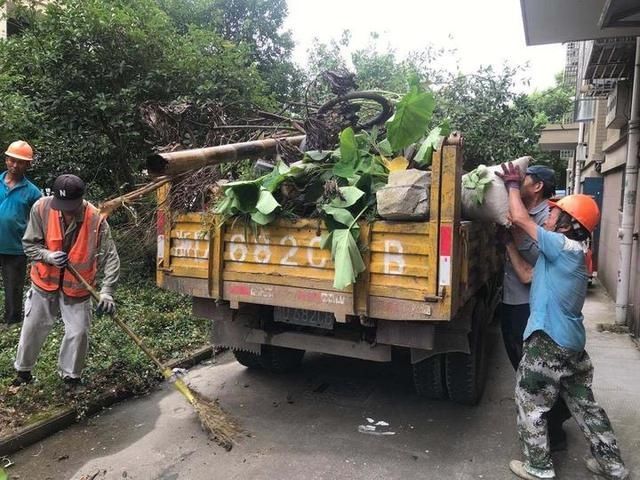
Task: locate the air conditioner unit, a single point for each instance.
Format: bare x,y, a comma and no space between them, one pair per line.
584,109
618,107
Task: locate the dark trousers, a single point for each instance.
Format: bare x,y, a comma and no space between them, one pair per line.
14,270
513,322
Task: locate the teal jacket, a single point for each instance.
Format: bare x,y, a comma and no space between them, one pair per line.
15,205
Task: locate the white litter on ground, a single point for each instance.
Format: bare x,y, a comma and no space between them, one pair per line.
378,428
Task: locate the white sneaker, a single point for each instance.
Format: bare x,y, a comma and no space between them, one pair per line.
521,471
594,467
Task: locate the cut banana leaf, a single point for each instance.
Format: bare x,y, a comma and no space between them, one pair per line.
347,259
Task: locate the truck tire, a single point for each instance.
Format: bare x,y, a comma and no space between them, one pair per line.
251,360
466,374
428,378
281,359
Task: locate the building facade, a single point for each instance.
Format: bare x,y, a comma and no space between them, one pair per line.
8,25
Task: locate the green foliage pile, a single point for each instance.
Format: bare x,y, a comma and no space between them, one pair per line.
477,180
340,186
163,319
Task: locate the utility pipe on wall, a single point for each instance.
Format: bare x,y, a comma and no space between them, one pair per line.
571,167
580,157
625,233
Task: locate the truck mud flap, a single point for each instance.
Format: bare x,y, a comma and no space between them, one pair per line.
233,334
405,334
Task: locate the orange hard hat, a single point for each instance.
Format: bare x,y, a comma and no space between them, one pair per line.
20,150
582,208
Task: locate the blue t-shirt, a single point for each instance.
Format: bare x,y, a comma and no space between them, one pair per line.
558,290
15,205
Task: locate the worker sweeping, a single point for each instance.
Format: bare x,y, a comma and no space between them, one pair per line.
554,362
69,243
64,229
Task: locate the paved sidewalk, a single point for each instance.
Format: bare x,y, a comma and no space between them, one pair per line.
305,425
616,380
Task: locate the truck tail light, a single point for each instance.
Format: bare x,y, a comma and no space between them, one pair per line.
446,245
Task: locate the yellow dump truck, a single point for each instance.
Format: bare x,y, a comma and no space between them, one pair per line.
430,288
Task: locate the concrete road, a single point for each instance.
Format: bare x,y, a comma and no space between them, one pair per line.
305,425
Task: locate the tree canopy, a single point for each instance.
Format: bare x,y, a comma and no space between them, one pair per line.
73,81
555,103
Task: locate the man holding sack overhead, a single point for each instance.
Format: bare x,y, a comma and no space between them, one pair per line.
537,187
65,229
554,362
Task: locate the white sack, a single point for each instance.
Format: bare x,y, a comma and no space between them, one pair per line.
495,205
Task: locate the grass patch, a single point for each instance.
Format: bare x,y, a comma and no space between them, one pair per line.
114,363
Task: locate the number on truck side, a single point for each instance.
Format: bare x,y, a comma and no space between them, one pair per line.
393,257
261,252
323,261
237,249
292,251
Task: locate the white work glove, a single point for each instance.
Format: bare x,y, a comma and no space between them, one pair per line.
57,259
106,304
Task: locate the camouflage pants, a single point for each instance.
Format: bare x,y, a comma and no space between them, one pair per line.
546,372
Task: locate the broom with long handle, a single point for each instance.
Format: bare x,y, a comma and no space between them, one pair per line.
213,419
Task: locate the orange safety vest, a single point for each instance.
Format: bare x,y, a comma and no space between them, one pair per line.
83,254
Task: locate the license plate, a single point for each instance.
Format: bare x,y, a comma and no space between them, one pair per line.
305,318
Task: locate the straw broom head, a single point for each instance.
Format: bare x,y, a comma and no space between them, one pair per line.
218,425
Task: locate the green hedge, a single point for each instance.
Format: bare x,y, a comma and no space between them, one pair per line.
163,319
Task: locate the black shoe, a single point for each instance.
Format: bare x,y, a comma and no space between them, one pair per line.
557,440
71,381
22,378
73,385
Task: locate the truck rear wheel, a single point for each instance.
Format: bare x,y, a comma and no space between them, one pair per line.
250,360
281,359
428,378
466,374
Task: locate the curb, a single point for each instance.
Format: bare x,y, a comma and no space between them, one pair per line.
66,417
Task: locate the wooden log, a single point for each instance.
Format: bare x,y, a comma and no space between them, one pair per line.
172,163
107,207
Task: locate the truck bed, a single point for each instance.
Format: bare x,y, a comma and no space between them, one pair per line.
420,271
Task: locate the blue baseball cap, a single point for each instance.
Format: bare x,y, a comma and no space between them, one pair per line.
545,174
